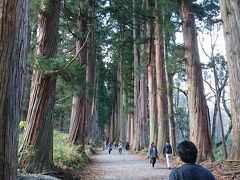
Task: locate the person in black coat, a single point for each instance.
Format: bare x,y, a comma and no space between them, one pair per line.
127,147
153,154
167,151
187,152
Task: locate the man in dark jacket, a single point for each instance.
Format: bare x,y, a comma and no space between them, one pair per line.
187,152
153,154
167,151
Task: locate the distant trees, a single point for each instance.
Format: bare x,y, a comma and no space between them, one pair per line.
13,52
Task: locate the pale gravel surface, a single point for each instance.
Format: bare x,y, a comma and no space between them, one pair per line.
124,167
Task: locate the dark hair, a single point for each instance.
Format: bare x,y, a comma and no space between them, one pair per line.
187,151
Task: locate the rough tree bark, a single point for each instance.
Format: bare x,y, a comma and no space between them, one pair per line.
38,132
231,26
13,49
121,92
162,104
78,114
151,76
198,110
90,75
136,34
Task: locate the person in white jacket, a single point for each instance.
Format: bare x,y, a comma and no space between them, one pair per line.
120,147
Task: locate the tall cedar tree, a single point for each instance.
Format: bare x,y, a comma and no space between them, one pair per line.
13,48
79,102
198,110
162,103
230,16
38,135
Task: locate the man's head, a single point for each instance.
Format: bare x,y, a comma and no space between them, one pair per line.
167,142
152,144
187,151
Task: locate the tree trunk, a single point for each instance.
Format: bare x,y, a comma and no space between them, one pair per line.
230,117
121,92
77,121
136,140
129,121
151,75
172,130
39,128
79,105
112,122
13,50
169,82
142,96
90,75
162,104
198,110
230,16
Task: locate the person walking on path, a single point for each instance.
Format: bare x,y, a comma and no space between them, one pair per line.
153,154
167,151
187,152
120,147
110,147
127,147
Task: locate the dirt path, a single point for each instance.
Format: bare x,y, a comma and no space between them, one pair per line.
115,166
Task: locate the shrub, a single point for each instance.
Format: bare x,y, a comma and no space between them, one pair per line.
65,154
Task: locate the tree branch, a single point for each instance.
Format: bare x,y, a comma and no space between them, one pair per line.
72,60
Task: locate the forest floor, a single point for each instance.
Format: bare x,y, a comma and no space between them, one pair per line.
115,166
228,170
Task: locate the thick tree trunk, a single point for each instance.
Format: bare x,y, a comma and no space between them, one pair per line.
230,16
90,76
38,135
121,94
79,105
142,94
169,82
162,104
198,110
151,75
136,140
172,127
77,121
13,50
112,122
128,126
39,128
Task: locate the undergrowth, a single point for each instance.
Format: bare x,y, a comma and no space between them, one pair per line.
68,155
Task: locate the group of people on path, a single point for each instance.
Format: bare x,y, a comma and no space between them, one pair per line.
109,146
187,152
167,151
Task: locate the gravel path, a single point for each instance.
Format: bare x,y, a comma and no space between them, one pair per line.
115,166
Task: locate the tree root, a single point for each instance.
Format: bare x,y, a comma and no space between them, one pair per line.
221,172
